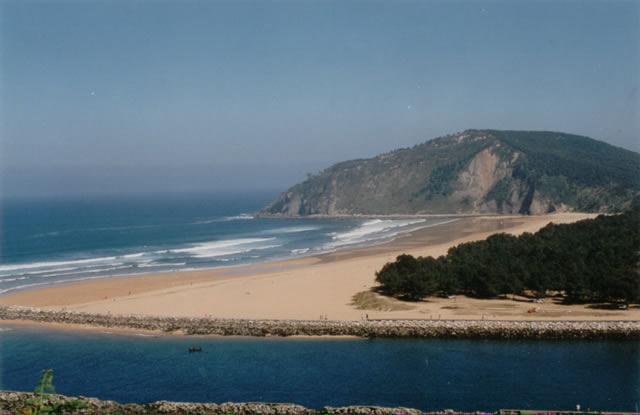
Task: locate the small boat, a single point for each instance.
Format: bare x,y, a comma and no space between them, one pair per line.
194,349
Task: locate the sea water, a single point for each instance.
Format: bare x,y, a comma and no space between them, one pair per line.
57,240
421,373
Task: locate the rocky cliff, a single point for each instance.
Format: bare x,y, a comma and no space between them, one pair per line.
475,171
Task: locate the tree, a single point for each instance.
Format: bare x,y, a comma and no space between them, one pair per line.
590,260
407,278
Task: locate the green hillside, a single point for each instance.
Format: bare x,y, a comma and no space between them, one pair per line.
475,171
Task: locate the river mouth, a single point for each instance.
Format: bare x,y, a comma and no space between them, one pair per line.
429,374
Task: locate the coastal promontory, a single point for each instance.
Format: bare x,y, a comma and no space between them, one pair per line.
474,172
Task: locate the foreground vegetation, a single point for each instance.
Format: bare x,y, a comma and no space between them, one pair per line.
595,260
44,401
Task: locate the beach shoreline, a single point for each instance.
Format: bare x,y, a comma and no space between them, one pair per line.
314,287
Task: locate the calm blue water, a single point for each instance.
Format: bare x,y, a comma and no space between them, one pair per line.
59,240
426,374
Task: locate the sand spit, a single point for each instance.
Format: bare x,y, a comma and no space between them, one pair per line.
310,287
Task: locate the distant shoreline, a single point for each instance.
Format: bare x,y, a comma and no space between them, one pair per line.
319,255
389,216
269,263
316,287
288,257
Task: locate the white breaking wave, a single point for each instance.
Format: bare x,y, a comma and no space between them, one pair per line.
42,235
159,264
293,229
54,273
233,252
36,284
204,222
225,247
378,230
35,265
242,216
299,251
13,279
371,230
138,255
48,270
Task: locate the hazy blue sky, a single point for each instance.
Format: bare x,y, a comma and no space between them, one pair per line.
148,95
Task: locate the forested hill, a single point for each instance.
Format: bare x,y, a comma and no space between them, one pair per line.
475,171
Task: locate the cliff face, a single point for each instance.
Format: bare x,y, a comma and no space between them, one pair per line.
476,171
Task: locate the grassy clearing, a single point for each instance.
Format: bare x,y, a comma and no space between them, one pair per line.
368,300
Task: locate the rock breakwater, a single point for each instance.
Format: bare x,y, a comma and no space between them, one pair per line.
497,329
21,402
17,402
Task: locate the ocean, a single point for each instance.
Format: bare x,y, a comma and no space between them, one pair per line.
428,374
58,240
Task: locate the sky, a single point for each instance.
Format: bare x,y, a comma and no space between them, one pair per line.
152,96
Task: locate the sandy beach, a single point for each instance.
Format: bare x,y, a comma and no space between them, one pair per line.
314,287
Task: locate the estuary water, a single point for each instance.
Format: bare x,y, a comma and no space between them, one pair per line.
425,374
51,241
